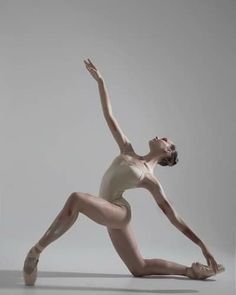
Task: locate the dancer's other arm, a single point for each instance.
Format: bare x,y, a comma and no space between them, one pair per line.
155,188
121,139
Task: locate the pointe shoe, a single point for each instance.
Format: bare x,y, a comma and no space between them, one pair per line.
201,272
30,265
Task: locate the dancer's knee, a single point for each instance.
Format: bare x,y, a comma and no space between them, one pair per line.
139,271
77,201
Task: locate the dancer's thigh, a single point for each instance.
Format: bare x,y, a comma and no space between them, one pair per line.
127,248
104,212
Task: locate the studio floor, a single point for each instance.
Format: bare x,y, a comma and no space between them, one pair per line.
114,280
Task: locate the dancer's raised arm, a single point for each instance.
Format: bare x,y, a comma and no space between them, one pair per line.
155,188
121,139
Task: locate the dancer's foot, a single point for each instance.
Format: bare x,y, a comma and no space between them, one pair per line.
201,272
30,265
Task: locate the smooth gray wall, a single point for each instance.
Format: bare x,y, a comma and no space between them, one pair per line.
170,71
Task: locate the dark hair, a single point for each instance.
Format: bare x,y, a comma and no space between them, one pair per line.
172,160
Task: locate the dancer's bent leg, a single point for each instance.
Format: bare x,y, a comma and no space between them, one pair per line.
124,242
97,209
127,248
63,221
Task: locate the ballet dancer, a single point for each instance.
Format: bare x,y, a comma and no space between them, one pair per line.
128,170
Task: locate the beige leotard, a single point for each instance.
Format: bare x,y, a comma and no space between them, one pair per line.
122,174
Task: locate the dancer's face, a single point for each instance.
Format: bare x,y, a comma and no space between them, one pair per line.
160,145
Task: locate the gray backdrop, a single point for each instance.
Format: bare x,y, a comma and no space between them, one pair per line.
170,71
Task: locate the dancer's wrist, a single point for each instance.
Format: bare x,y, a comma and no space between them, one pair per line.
100,80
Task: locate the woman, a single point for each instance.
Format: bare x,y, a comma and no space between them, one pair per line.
128,170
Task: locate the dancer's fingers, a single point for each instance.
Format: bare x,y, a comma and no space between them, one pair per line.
86,63
92,64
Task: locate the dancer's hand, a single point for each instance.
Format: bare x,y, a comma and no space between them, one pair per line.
209,258
93,70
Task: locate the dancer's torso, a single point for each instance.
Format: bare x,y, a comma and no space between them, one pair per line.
125,172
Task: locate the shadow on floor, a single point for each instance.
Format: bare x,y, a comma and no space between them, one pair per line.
13,279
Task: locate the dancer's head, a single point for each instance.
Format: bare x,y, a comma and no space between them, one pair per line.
165,150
